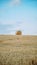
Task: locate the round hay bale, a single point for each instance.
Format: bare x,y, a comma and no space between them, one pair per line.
18,33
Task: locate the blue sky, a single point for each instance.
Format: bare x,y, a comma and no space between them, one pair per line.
18,15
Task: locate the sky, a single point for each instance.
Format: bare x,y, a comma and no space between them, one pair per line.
18,15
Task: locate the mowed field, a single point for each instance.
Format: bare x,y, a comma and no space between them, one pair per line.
18,50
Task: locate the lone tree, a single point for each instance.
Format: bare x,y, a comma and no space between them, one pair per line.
18,33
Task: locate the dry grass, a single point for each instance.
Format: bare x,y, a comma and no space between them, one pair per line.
18,50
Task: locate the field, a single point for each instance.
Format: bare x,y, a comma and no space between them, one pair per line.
18,50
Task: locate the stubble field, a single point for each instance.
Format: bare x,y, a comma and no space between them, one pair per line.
18,50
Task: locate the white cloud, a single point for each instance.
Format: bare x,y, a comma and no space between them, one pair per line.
15,2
